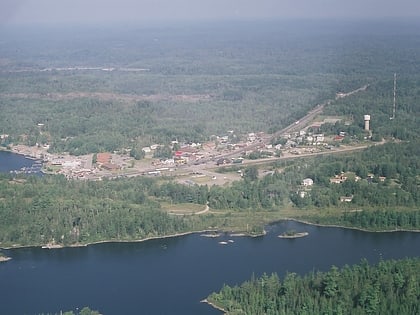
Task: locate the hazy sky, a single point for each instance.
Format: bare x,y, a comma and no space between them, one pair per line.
98,11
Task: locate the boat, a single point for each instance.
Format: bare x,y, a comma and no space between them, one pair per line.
51,246
223,243
211,235
293,234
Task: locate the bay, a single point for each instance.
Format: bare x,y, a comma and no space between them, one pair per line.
12,162
172,275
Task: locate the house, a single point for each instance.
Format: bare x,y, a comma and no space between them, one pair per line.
251,137
382,178
346,198
307,182
335,180
319,137
146,150
315,127
223,139
338,179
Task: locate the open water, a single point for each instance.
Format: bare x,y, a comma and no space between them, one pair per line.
12,162
171,276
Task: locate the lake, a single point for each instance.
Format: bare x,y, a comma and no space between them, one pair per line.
12,162
171,276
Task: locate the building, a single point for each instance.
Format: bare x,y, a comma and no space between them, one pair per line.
307,182
103,158
346,198
367,120
338,179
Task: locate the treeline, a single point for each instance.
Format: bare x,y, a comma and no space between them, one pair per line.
53,210
390,287
251,193
381,176
267,193
377,101
385,219
84,311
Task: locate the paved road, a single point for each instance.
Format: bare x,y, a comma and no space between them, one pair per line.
298,125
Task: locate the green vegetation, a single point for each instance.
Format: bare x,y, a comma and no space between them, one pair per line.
390,287
189,85
191,88
84,311
55,210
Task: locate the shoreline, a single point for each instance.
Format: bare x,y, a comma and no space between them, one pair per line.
58,246
233,234
346,227
214,306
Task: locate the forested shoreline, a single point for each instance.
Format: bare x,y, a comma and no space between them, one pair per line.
390,287
56,211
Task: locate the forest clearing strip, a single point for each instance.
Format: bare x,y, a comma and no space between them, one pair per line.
106,96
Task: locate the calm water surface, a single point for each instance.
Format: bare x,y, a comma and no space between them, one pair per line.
15,162
171,276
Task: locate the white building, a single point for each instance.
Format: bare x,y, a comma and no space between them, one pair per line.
307,182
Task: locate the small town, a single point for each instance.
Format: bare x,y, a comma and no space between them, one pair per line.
196,163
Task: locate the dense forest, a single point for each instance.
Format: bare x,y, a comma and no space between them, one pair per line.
390,287
54,210
132,89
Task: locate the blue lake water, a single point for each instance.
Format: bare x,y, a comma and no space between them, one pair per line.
171,276
10,162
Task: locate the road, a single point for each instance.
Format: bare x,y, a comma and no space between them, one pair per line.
298,125
208,163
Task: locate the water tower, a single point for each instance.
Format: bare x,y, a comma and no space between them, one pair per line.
367,120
